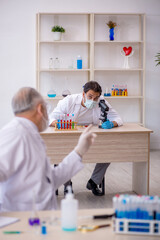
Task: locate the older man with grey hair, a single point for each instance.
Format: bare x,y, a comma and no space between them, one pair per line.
24,166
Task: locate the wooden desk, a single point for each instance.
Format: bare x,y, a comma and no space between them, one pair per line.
55,232
128,143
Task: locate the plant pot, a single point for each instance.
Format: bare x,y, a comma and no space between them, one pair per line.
57,36
111,34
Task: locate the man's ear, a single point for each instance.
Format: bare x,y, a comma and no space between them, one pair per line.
40,109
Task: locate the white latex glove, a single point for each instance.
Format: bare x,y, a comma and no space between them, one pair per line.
85,141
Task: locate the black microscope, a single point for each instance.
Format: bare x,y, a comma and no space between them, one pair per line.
104,110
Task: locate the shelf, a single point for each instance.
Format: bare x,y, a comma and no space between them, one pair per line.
62,13
119,69
53,98
118,97
120,14
59,42
115,42
122,97
65,70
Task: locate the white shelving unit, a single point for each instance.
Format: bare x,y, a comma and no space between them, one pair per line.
87,35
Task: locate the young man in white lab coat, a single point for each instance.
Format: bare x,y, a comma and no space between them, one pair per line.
86,110
24,166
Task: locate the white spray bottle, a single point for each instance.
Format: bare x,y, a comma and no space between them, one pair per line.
69,207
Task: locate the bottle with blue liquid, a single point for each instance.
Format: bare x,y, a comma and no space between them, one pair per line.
43,228
79,62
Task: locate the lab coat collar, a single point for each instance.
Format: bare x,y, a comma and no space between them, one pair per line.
28,123
79,99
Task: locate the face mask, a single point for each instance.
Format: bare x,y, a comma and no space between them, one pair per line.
90,103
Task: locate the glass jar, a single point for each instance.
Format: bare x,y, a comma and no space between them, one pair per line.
56,63
50,63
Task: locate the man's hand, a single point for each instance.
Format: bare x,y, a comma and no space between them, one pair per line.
53,123
107,125
85,141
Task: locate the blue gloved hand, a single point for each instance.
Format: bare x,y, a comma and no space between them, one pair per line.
107,125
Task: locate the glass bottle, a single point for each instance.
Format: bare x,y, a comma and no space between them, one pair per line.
56,63
43,228
79,62
51,63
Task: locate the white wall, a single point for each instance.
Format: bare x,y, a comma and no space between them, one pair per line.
18,48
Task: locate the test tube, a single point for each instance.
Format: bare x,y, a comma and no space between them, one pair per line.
115,204
64,124
72,121
63,121
158,210
67,121
125,90
113,90
58,124
116,90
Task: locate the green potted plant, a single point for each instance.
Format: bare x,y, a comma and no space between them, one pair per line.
111,26
57,30
157,59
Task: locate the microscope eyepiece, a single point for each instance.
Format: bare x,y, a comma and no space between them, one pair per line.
103,105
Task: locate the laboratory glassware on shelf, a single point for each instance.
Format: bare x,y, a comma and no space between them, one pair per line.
56,63
79,62
51,93
107,93
65,93
51,63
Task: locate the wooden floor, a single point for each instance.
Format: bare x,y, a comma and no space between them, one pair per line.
118,179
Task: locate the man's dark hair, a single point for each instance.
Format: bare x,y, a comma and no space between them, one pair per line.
92,85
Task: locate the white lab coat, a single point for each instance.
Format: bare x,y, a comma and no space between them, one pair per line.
24,167
72,104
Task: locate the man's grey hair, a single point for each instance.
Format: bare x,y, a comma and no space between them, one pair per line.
26,99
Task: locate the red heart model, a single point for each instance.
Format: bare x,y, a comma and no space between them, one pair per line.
127,50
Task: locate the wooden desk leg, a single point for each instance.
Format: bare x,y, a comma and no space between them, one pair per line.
140,178
140,174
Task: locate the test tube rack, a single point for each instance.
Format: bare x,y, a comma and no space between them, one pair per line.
119,91
136,226
65,126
